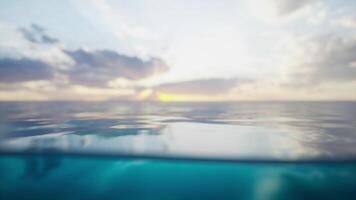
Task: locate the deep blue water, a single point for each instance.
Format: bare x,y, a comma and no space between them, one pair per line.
272,150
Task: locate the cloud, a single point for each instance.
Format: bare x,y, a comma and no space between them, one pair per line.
211,86
326,58
347,21
97,68
136,37
287,7
33,59
280,10
37,28
24,69
36,34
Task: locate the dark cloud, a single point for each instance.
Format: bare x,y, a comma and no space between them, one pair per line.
35,34
98,67
201,87
37,28
28,35
48,40
283,8
89,68
21,70
327,58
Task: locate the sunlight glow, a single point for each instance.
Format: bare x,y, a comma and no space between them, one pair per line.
165,97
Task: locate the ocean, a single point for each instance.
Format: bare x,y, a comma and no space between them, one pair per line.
155,150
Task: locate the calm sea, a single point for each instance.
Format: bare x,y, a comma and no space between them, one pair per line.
151,150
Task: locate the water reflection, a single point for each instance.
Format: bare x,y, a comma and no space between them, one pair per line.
272,130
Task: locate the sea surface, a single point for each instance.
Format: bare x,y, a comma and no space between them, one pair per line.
152,150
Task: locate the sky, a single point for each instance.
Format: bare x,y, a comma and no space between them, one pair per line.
177,50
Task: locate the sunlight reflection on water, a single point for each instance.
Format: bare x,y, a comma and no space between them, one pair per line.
266,131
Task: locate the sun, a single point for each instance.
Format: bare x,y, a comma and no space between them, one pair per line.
169,97
172,97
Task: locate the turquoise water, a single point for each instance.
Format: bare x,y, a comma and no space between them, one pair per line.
272,150
66,177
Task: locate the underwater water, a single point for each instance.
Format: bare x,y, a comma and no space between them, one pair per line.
66,177
151,150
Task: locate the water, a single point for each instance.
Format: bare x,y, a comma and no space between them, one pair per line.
272,150
66,177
